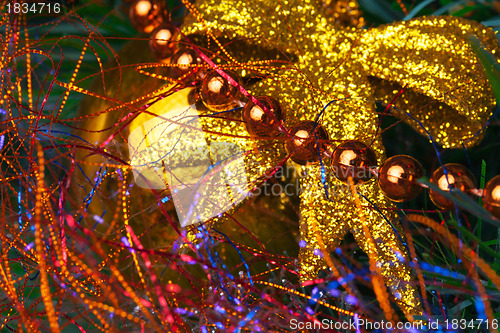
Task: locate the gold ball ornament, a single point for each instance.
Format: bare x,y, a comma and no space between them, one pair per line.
146,15
162,41
261,124
217,93
353,159
184,59
398,178
307,142
491,196
457,177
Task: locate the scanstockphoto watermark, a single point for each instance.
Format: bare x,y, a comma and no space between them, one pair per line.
355,324
297,187
358,324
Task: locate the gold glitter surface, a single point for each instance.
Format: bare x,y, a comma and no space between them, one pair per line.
352,67
433,60
343,12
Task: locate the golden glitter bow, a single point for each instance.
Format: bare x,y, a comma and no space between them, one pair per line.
445,88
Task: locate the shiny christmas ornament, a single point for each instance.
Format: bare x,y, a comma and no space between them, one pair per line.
146,15
162,41
458,178
217,93
398,178
491,196
306,143
353,158
184,58
258,122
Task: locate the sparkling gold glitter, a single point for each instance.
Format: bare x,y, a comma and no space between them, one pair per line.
344,12
430,57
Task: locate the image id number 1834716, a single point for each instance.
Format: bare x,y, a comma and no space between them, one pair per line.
33,8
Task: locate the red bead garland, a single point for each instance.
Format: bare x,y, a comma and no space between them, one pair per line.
307,141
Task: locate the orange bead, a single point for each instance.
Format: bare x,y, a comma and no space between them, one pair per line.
183,59
162,41
306,142
258,122
146,15
398,178
217,93
459,178
353,158
491,196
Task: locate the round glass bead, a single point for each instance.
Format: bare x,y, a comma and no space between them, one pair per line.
353,159
398,178
183,59
306,142
260,123
146,15
491,196
162,41
217,93
459,178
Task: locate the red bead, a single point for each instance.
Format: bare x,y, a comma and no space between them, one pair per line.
306,142
162,41
398,178
183,58
258,122
491,196
459,178
146,15
354,159
217,93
